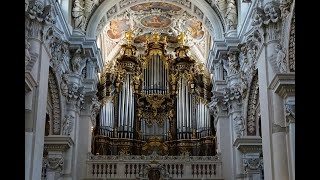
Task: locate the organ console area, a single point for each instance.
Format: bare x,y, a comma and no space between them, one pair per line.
154,101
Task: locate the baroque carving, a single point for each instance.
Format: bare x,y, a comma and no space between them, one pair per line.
290,112
53,89
281,58
238,126
252,163
269,13
59,51
291,54
94,110
76,95
55,163
67,125
252,105
77,62
285,8
37,17
78,15
231,16
64,84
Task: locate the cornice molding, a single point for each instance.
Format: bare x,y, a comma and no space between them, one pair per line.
57,143
248,144
283,84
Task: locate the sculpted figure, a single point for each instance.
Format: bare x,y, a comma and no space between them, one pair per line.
78,15
75,61
64,84
231,15
281,59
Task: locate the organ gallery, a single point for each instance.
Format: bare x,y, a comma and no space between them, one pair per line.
154,100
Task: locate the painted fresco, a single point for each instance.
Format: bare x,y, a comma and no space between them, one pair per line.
156,21
117,27
155,5
195,28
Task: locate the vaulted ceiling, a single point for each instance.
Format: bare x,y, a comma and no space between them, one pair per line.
200,20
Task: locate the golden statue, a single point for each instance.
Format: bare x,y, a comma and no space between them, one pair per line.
129,36
181,38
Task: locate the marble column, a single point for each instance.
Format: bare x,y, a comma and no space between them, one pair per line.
36,23
223,134
283,86
272,117
70,125
85,125
290,121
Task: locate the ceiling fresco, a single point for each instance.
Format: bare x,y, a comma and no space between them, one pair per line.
194,27
156,21
165,18
117,27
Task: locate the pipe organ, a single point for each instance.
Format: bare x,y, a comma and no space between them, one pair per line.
154,101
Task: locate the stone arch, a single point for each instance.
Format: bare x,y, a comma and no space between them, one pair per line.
53,90
210,17
252,108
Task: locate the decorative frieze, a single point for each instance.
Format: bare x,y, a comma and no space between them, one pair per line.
57,143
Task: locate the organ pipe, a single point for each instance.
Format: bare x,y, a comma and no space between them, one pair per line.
190,110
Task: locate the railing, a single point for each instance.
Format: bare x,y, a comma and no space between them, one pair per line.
135,167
